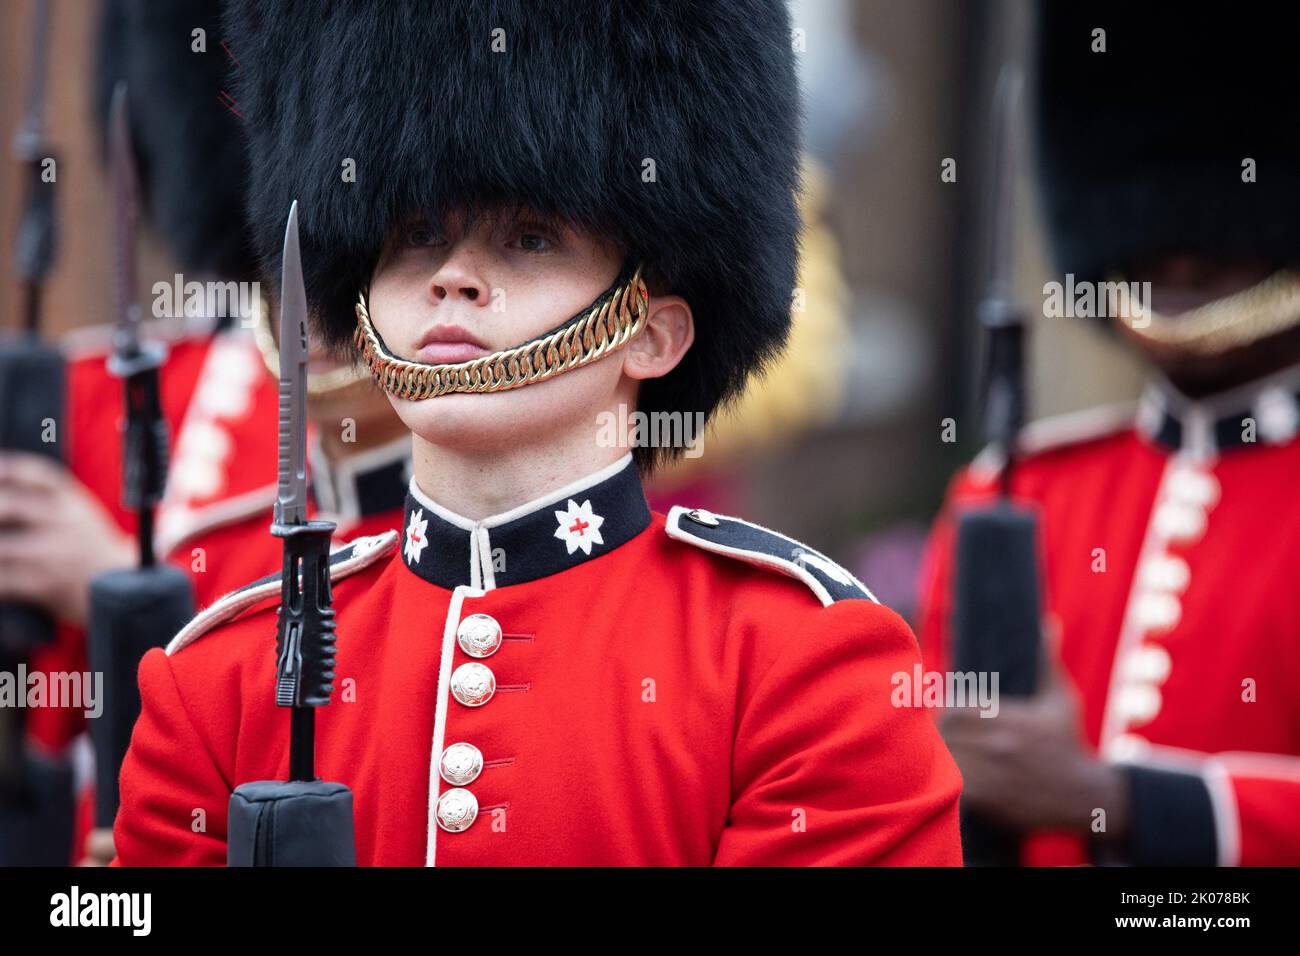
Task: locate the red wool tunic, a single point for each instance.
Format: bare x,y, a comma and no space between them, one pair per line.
577,681
1171,547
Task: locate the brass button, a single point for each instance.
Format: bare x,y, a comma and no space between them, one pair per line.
473,684
461,763
456,809
479,635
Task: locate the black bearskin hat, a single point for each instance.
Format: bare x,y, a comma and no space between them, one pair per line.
1141,147
558,105
189,146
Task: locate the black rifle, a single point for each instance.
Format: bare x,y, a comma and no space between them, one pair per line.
35,792
134,609
997,617
304,821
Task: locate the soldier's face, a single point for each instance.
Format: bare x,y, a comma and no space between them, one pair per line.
446,293
1183,283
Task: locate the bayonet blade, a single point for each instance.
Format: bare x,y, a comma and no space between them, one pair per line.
291,497
34,248
27,141
1001,246
125,191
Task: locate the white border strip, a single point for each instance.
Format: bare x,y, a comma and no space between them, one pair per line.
758,558
234,603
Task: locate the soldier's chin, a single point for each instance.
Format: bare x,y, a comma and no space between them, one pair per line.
505,422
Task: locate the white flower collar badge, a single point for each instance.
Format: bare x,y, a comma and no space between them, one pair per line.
417,537
579,527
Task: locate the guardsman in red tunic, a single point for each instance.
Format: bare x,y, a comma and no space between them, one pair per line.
568,213
1170,530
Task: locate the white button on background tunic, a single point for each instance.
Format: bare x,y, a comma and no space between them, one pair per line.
1192,487
1138,703
1148,663
1165,572
1156,611
1180,522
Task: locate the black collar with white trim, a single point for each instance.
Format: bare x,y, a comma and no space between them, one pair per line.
368,483
560,530
1264,412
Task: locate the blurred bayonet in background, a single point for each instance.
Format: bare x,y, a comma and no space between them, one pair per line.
997,615
1001,319
135,362
35,791
135,609
122,169
35,247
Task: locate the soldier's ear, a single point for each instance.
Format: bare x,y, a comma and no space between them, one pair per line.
669,332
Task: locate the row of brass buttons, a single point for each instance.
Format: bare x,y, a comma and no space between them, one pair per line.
473,685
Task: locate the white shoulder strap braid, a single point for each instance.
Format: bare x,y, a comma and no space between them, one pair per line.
1058,431
349,559
766,548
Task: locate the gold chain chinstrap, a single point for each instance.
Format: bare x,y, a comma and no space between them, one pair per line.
605,327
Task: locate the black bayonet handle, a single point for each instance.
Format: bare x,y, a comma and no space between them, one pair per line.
305,640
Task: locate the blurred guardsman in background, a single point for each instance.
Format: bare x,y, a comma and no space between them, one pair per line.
533,216
65,526
1166,729
221,485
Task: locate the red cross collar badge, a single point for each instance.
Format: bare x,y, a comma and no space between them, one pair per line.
579,527
417,536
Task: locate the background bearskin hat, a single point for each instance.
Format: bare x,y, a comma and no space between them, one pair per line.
670,127
189,147
1141,147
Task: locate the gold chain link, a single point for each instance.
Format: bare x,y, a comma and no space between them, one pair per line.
1255,313
602,329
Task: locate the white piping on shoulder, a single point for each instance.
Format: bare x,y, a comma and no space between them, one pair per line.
95,341
183,524
365,552
1057,431
759,559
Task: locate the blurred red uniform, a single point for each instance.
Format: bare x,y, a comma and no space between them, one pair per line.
220,404
92,426
576,681
1171,553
